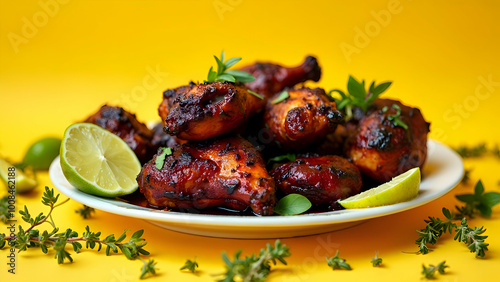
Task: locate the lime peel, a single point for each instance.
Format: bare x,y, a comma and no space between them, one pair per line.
401,188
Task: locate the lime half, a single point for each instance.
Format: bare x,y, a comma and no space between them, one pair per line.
24,181
401,188
98,162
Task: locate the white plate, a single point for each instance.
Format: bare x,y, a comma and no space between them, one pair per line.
442,171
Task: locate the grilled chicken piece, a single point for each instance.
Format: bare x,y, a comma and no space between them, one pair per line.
382,150
124,124
224,172
162,139
271,78
199,112
323,180
307,116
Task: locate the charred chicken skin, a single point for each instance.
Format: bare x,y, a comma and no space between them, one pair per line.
199,112
271,78
381,149
224,172
307,116
124,124
323,180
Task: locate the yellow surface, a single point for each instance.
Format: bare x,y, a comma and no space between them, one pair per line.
60,62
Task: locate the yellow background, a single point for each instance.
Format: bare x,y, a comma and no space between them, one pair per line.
61,61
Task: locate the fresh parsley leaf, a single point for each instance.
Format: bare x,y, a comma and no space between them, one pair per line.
160,159
292,204
336,262
224,74
357,95
282,97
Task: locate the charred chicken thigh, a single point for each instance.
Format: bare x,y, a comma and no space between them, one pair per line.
199,112
382,149
307,116
224,172
124,124
323,180
272,78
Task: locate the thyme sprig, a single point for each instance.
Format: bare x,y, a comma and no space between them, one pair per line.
429,272
33,237
376,261
190,265
337,262
254,268
479,202
86,211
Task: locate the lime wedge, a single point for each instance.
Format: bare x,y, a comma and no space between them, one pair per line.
98,162
24,181
401,188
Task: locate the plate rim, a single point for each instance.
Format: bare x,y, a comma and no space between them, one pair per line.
436,151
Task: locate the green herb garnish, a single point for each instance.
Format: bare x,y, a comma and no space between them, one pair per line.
190,265
478,202
85,212
160,159
472,238
466,178
357,96
224,74
473,151
376,261
288,157
336,262
4,209
395,117
255,94
282,97
429,272
254,268
148,267
434,229
292,204
58,241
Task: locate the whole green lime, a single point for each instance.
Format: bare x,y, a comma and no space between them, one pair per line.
41,153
